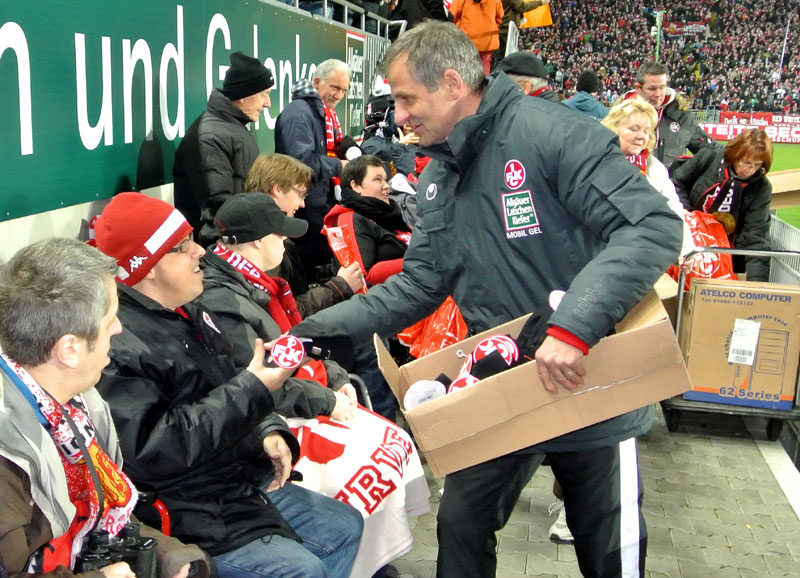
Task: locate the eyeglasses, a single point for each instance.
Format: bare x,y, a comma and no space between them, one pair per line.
755,165
300,192
183,246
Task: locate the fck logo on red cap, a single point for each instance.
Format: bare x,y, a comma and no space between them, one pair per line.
288,352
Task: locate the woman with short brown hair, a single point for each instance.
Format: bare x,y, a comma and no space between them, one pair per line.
732,185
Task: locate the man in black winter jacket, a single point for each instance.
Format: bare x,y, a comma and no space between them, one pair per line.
192,427
677,128
212,161
522,197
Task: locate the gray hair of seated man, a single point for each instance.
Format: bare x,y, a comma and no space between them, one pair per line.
52,288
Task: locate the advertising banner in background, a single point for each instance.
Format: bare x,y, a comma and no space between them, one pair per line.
776,133
97,94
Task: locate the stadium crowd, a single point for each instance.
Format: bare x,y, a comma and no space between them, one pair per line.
731,65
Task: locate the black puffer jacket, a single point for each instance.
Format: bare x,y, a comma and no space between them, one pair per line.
698,174
190,426
212,162
240,312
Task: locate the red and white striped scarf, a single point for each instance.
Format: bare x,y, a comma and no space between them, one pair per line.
119,493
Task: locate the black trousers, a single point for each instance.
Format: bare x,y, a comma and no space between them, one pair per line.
602,497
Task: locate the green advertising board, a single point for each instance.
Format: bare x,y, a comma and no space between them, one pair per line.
97,94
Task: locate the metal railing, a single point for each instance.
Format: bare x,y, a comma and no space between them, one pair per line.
349,14
784,237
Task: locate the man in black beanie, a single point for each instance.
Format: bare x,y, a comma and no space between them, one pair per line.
214,157
584,100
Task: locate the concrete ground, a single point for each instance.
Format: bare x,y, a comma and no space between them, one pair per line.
720,501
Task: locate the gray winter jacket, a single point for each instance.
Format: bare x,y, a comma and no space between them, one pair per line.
34,498
525,198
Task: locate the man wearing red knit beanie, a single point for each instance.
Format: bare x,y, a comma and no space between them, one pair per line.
197,430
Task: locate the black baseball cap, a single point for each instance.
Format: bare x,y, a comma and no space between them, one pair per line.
250,216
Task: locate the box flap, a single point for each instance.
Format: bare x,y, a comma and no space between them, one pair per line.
666,287
388,367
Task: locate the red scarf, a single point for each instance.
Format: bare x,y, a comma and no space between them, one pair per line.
281,306
639,160
333,137
119,494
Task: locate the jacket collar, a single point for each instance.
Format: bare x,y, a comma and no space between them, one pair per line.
218,273
304,90
221,106
469,134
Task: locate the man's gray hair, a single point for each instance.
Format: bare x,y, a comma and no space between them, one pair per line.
433,47
49,289
651,67
327,67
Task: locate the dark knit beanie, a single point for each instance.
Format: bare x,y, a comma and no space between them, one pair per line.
245,77
588,82
522,64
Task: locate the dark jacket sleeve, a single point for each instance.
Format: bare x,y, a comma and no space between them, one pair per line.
642,235
297,397
754,231
294,136
389,307
276,424
700,139
165,440
687,172
215,152
319,297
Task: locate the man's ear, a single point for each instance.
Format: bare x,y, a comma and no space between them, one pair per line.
637,85
67,350
315,82
453,85
276,191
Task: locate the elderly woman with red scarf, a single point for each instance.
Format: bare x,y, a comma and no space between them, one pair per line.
732,185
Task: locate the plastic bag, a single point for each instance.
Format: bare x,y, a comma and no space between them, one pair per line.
443,327
343,244
706,232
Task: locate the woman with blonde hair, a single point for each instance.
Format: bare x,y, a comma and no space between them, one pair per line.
634,120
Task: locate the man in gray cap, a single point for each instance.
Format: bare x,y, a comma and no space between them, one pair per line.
214,157
528,72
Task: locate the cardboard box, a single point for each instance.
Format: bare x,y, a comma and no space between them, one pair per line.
639,365
723,366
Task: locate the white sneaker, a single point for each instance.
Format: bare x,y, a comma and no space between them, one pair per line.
559,531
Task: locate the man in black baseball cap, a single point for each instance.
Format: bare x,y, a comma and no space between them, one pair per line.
213,159
527,70
249,217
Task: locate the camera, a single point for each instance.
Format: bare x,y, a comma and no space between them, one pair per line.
101,549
